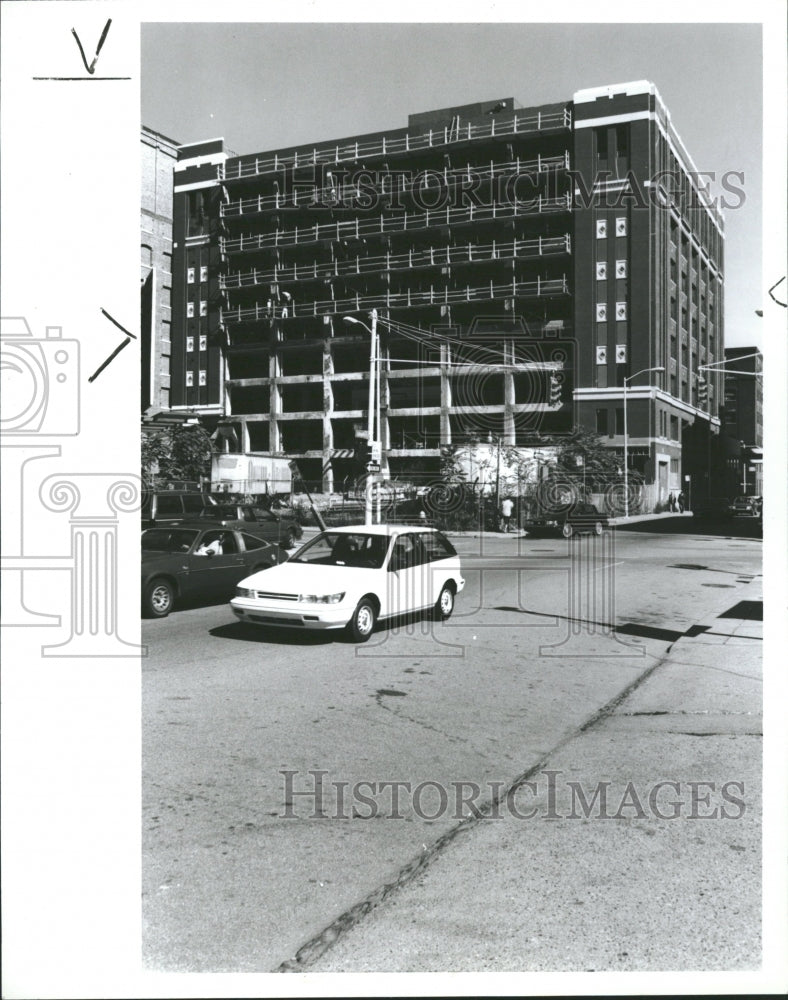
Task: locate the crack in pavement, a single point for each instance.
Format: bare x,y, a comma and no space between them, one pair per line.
316,946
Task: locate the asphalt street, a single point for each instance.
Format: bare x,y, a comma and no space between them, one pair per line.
262,846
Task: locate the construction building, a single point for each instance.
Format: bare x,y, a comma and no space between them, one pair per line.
521,263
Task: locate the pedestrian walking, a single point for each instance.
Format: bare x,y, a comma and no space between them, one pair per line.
671,503
680,501
506,510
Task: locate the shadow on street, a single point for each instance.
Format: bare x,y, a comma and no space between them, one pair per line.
729,527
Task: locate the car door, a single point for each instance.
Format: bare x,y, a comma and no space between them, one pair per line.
217,573
404,577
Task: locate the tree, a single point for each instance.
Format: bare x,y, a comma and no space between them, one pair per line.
582,453
181,452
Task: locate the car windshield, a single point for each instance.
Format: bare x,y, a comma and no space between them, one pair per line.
331,548
167,539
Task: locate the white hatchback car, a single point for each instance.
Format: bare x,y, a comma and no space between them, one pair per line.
351,577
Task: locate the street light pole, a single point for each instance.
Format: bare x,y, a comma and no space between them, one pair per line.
373,334
659,368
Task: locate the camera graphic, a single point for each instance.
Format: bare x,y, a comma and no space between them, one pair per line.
40,381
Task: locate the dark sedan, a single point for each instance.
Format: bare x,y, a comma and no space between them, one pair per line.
193,560
582,518
281,530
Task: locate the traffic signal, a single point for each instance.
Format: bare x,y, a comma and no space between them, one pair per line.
555,389
703,390
362,452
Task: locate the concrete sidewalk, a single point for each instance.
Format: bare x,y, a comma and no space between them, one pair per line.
311,530
633,845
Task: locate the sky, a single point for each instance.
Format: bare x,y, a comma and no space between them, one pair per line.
267,85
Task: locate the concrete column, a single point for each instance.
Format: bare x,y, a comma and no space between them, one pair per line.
274,401
445,425
328,411
508,395
385,431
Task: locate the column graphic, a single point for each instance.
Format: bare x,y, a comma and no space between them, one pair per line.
94,501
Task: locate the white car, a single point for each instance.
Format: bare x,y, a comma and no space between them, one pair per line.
351,577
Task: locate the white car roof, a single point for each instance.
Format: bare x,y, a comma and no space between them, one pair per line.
387,530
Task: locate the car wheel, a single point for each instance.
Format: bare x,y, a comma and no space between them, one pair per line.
598,528
159,598
290,540
567,531
362,622
445,603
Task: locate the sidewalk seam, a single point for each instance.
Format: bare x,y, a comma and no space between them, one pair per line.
316,946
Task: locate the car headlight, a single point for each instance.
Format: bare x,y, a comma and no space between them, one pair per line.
243,592
321,598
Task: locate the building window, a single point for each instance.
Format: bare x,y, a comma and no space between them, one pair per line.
601,270
621,310
674,464
601,228
203,308
622,145
601,143
203,274
621,226
601,421
619,420
601,312
190,275
203,380
674,428
190,343
621,269
189,379
203,343
190,310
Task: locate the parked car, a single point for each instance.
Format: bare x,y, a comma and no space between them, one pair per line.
745,507
194,560
352,577
268,524
165,507
582,517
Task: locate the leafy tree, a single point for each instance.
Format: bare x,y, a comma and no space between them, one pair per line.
181,452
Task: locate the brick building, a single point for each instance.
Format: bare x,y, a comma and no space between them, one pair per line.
159,156
522,262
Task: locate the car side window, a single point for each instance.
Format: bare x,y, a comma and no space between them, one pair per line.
404,553
251,542
229,544
248,514
192,504
437,546
168,505
213,542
